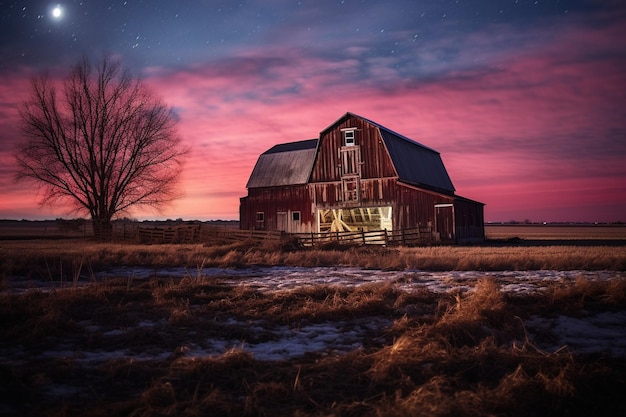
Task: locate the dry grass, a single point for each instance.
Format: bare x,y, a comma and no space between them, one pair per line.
52,260
463,354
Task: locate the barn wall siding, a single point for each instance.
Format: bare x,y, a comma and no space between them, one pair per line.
469,219
375,159
411,207
372,192
273,200
416,208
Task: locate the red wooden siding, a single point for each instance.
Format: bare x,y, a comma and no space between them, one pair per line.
469,221
411,207
273,200
416,207
374,157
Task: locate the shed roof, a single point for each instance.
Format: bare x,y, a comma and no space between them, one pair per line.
292,146
284,164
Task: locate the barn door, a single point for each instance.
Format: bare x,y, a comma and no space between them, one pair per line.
350,188
350,157
282,221
444,221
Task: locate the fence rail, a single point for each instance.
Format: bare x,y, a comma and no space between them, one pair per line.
404,237
202,233
191,233
207,233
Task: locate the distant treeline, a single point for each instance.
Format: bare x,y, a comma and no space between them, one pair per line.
81,221
68,228
528,222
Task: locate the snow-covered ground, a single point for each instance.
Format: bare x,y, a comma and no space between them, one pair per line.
285,278
604,332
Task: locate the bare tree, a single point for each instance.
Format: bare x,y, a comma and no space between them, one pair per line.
104,145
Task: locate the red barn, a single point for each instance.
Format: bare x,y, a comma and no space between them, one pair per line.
358,175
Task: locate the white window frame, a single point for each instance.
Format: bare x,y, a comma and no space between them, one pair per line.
349,137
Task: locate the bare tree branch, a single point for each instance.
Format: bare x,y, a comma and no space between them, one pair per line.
107,145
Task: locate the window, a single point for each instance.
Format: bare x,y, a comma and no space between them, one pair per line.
348,137
295,216
260,220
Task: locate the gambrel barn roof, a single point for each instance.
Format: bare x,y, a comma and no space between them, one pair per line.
415,164
291,163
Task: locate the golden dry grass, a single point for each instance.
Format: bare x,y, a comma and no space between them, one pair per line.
53,260
461,354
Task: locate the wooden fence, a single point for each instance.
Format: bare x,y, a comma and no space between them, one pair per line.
188,233
403,237
202,233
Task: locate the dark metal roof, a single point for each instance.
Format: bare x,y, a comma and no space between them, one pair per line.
284,164
292,146
415,163
378,125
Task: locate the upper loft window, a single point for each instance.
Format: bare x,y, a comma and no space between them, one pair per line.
348,136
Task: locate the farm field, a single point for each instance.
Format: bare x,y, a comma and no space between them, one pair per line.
268,329
556,232
13,229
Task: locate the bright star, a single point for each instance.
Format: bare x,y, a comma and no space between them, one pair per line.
57,12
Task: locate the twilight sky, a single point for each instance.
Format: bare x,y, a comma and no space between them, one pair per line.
525,100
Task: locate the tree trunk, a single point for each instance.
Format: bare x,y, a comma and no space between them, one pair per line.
102,229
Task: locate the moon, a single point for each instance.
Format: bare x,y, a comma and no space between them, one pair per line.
57,12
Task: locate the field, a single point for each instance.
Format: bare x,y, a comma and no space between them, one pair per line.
523,325
563,233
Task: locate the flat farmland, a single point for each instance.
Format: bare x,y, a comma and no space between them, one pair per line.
54,229
556,232
521,325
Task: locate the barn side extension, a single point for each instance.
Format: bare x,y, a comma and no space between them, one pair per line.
358,176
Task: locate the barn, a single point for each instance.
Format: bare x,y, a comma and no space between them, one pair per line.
358,175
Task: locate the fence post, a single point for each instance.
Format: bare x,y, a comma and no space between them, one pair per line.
363,236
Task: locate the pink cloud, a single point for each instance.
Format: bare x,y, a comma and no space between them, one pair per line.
538,134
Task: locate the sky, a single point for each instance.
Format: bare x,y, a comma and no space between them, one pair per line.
523,99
